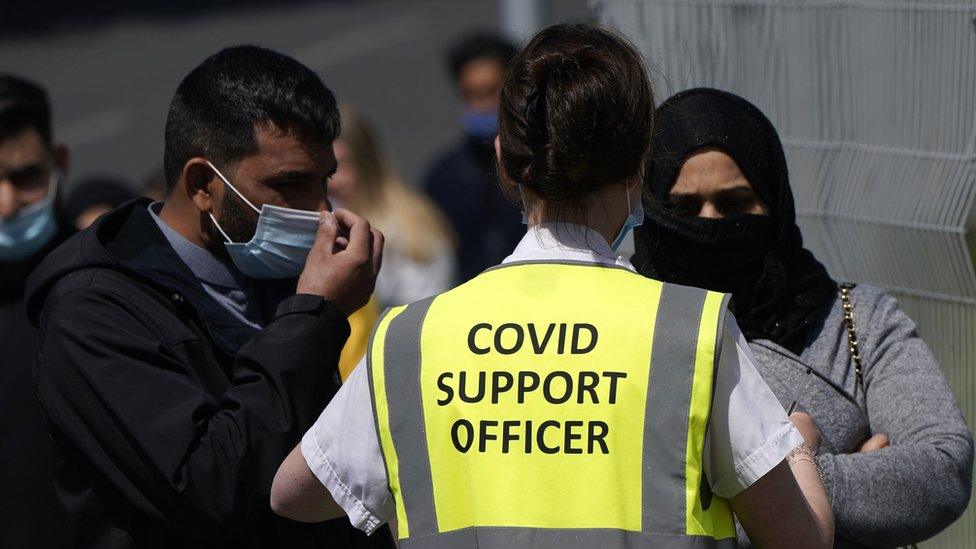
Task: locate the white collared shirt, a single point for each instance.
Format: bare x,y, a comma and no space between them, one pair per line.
566,242
748,433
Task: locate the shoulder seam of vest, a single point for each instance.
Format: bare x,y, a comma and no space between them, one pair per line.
569,262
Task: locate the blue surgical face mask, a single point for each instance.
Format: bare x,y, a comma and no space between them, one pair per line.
634,219
30,229
480,124
281,241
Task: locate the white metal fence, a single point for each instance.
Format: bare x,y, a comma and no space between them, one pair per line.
876,104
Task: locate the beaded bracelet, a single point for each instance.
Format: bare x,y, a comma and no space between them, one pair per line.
804,453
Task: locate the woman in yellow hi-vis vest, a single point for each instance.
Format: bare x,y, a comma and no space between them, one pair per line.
560,399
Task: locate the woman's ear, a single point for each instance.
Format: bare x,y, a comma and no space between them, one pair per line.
498,157
504,180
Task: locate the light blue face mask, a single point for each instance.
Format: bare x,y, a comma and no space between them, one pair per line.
634,220
30,229
281,241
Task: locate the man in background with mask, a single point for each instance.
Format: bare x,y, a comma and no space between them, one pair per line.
462,180
32,167
185,346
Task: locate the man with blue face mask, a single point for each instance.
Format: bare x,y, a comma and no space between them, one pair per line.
31,170
461,180
186,344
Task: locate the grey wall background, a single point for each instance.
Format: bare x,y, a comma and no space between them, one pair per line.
112,73
876,103
111,82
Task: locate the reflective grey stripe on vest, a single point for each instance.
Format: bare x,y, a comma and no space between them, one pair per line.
372,389
406,416
668,402
562,538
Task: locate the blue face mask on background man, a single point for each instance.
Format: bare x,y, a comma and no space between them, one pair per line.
480,124
30,229
281,241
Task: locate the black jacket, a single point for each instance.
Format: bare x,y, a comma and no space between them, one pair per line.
28,504
464,185
165,437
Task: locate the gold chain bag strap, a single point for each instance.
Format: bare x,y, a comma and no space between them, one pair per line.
852,346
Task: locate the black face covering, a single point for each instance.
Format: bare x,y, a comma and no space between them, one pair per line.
779,289
697,245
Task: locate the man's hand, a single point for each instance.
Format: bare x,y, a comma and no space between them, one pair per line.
341,268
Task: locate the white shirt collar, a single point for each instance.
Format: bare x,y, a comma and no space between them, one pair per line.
566,242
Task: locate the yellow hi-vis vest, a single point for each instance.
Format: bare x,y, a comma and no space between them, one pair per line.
551,405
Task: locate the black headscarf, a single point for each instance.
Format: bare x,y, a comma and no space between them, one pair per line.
779,289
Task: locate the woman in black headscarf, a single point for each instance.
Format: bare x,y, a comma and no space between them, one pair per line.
780,289
720,215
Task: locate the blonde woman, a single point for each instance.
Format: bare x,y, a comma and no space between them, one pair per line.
419,259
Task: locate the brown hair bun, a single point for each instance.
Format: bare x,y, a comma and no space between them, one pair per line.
576,113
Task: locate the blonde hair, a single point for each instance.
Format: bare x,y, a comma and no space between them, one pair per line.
407,218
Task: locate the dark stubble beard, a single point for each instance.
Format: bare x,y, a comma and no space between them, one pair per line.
237,219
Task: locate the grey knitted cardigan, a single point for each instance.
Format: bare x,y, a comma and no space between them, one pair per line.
920,484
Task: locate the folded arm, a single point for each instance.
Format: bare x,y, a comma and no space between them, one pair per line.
922,482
